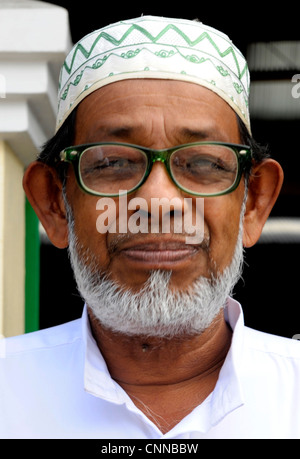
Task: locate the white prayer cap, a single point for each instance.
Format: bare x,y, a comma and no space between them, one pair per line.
160,48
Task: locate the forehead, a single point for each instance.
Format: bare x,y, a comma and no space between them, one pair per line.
143,105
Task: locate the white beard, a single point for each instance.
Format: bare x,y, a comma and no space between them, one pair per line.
155,310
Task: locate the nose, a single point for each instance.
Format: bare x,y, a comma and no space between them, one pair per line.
159,184
162,199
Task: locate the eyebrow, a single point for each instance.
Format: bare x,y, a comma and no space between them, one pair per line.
210,133
124,131
187,134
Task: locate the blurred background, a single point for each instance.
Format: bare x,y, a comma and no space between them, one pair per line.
269,37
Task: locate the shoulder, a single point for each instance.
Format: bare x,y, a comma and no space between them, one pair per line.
42,340
273,354
260,345
272,344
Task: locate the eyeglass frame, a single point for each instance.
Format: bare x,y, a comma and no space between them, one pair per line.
73,154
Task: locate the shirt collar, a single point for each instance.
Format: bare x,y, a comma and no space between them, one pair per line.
97,380
227,395
225,398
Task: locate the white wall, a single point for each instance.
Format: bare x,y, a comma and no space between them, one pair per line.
34,40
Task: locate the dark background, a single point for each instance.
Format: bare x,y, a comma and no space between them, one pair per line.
270,284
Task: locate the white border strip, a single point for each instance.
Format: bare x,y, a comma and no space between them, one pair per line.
281,230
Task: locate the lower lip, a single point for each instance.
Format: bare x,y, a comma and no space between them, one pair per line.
159,256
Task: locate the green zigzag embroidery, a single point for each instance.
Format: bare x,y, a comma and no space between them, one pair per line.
163,54
154,39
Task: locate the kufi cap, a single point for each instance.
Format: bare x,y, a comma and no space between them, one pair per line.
155,47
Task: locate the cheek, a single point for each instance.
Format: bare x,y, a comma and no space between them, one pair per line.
222,217
89,234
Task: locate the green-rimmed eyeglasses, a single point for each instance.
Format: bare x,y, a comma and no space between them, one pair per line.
200,169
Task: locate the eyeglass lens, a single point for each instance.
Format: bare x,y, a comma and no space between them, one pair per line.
206,169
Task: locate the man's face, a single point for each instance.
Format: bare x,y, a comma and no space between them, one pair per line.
157,114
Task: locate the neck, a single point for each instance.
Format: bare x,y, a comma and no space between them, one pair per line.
165,378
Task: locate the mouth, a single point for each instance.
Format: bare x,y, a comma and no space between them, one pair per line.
164,254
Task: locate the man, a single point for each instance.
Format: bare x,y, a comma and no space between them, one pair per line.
153,109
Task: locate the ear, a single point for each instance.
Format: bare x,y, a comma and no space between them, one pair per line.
264,187
44,192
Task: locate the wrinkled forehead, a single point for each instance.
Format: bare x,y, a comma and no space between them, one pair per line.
155,48
152,110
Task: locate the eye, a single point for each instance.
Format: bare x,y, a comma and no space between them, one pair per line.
113,163
202,162
197,162
107,165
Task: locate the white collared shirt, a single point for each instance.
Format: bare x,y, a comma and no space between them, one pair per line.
55,384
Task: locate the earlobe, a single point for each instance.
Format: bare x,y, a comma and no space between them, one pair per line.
264,187
44,192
